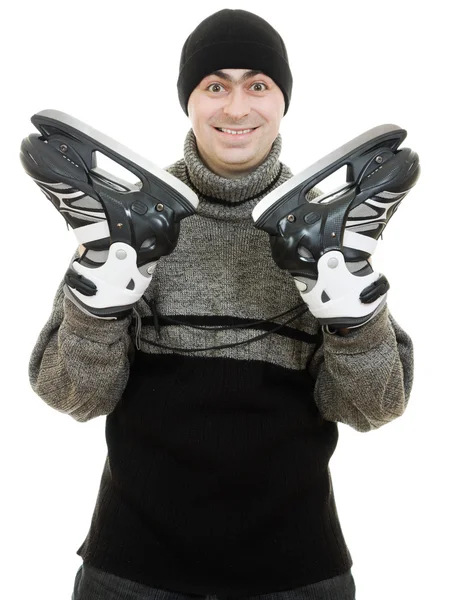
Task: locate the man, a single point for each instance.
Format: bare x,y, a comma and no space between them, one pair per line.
222,411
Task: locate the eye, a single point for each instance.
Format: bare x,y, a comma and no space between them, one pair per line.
259,83
213,85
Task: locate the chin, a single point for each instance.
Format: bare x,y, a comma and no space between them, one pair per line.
238,159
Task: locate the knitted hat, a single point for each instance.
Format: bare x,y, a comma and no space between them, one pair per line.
233,39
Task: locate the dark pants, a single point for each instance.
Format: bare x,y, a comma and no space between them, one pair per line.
93,584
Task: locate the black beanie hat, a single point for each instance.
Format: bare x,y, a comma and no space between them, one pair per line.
233,39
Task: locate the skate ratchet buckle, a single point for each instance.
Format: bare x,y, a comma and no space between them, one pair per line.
351,218
102,208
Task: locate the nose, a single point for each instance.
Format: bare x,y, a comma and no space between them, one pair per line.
237,105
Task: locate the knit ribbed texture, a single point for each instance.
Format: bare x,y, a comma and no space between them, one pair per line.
233,191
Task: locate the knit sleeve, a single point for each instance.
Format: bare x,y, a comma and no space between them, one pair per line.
80,364
364,379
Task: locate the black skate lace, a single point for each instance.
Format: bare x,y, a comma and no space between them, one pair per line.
299,308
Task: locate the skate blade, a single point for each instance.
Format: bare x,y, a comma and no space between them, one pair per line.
49,121
352,154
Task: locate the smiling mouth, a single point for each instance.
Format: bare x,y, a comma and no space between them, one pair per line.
236,132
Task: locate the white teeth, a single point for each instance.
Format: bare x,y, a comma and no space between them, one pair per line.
235,132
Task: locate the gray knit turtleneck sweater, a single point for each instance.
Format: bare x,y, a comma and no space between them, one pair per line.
222,266
222,417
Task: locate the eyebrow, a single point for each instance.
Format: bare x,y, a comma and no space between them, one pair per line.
244,77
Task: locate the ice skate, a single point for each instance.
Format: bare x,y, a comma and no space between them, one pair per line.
101,207
348,221
124,227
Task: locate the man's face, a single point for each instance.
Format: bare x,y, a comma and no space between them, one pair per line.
236,100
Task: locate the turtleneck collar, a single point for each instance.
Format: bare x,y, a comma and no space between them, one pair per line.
215,188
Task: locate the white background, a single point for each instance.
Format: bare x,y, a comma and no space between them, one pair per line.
114,65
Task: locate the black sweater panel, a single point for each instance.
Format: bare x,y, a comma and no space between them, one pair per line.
217,480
